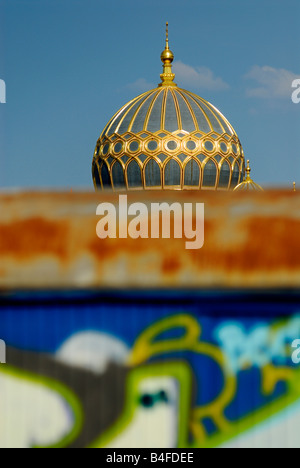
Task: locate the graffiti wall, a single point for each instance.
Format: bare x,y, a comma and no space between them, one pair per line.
152,369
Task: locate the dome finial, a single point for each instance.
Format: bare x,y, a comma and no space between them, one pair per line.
294,187
167,57
248,170
248,183
167,35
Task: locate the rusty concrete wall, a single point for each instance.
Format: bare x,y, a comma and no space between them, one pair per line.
48,240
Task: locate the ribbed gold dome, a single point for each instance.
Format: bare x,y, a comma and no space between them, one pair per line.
168,138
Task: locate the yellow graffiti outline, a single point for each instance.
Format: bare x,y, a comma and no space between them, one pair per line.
63,391
145,347
272,374
178,370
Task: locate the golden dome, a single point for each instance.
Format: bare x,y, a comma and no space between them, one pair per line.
248,183
168,138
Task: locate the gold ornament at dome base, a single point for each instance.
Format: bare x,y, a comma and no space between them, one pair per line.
167,79
248,183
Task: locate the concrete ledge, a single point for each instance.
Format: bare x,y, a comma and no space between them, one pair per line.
48,240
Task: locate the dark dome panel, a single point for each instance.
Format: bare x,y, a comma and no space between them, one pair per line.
172,174
134,175
187,120
139,120
154,122
153,174
118,176
192,174
201,118
127,117
170,120
209,174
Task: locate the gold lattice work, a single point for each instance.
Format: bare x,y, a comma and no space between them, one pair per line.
192,153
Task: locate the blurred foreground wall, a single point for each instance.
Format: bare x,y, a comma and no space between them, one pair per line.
143,343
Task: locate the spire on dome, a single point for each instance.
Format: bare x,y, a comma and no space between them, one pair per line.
167,57
248,183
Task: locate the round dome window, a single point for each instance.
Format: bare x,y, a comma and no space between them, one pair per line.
190,145
105,149
134,146
152,145
172,145
223,147
118,147
209,146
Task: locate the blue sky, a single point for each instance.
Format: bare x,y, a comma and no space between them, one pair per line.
70,64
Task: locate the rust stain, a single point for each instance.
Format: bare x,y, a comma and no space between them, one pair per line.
171,265
29,238
270,243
